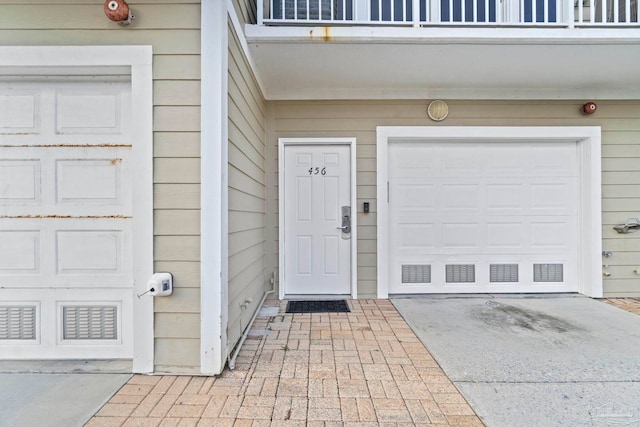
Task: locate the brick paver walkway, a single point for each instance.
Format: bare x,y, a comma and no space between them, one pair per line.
629,304
364,368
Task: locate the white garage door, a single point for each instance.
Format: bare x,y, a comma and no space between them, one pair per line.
65,220
483,217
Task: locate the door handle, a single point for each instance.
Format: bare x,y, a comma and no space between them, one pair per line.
346,222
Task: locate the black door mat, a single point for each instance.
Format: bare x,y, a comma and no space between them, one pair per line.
332,306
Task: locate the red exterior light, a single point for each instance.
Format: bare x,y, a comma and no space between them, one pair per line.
589,108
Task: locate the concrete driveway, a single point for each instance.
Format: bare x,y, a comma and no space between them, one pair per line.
535,360
56,393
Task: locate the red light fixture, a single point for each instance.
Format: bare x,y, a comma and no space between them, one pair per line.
118,11
589,108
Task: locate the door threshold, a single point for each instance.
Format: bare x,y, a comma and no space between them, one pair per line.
316,297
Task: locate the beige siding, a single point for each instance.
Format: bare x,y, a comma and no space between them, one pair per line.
620,162
172,28
247,117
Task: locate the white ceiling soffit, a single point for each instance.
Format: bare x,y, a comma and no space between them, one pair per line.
454,63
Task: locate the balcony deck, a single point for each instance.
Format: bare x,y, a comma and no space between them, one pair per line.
517,52
425,13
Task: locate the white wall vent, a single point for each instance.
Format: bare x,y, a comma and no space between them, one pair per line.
89,322
547,272
460,273
17,322
416,274
503,273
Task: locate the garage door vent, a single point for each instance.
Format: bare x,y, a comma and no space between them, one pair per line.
547,273
17,322
90,322
503,272
460,273
416,274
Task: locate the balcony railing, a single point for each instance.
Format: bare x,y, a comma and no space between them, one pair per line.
449,12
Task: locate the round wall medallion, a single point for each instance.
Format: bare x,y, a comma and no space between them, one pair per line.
438,110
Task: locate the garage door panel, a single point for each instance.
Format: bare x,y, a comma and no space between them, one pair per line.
20,181
95,325
505,159
67,252
463,159
553,198
19,111
412,196
552,236
89,252
555,159
461,197
504,199
484,222
505,235
90,181
465,235
88,112
416,236
19,252
71,113
412,161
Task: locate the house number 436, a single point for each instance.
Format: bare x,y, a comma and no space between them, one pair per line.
316,171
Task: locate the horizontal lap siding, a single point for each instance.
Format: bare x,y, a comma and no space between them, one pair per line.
620,161
173,29
247,117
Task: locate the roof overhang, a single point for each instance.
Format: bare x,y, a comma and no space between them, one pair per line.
454,63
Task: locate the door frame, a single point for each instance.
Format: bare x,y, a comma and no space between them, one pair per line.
589,176
286,142
136,62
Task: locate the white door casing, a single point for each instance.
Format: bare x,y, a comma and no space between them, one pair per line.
316,186
490,201
76,202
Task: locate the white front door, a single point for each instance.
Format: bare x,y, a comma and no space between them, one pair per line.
317,203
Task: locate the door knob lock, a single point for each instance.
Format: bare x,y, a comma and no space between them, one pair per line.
346,222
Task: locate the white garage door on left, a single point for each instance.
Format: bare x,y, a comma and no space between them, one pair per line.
66,270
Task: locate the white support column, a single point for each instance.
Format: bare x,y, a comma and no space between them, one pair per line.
213,216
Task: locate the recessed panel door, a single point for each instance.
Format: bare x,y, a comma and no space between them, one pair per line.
317,219
475,217
66,212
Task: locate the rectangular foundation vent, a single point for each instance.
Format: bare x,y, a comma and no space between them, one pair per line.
90,322
461,273
500,273
416,274
547,273
17,322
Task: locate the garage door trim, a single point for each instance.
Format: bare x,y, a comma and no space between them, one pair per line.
589,209
136,63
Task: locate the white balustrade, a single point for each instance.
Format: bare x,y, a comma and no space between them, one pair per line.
449,12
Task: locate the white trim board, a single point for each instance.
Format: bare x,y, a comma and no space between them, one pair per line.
590,205
351,142
103,59
213,192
